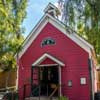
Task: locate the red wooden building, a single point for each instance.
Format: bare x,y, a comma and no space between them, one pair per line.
55,61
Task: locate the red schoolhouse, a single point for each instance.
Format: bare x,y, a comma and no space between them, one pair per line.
55,61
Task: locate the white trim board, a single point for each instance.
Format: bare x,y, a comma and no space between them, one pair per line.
45,65
60,26
44,56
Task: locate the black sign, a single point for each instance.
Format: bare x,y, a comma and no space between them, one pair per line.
48,41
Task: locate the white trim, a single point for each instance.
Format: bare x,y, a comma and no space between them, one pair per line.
92,77
60,26
17,77
85,42
45,65
33,35
73,36
40,26
44,56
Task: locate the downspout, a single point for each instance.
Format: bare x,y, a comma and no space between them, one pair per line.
91,79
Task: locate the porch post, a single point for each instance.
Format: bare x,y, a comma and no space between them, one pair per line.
59,80
31,78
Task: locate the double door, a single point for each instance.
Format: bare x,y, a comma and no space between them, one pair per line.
48,80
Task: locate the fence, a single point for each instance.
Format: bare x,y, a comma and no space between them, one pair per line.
8,79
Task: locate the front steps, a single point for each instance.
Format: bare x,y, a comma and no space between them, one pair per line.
41,98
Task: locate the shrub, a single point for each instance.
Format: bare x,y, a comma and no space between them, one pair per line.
63,98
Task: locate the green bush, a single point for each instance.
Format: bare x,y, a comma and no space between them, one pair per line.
63,98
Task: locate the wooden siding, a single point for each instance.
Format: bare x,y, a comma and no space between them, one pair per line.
72,55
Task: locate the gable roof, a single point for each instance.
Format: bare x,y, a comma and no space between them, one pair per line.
44,56
60,26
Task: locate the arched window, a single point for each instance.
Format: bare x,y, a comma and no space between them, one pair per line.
48,41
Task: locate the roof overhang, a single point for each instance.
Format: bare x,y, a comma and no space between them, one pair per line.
44,56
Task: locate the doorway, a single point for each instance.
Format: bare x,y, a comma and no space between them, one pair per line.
49,80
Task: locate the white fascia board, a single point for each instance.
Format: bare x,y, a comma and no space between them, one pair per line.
82,45
60,26
84,41
64,30
45,65
44,56
32,36
73,36
40,24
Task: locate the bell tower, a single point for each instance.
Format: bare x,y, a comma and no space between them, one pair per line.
52,10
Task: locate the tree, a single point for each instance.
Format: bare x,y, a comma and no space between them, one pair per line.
12,14
84,17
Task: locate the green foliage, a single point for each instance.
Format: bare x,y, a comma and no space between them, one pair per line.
12,14
63,98
85,14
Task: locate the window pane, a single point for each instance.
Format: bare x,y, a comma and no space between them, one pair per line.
48,41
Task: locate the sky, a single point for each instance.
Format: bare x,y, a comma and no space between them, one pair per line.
34,13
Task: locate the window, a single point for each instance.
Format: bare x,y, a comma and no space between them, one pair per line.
83,81
48,41
70,83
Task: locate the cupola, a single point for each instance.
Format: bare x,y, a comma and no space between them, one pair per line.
52,10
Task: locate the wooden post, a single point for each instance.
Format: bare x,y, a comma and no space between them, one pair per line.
59,72
31,79
39,82
47,90
91,80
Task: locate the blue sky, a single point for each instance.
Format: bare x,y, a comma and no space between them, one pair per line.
34,13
